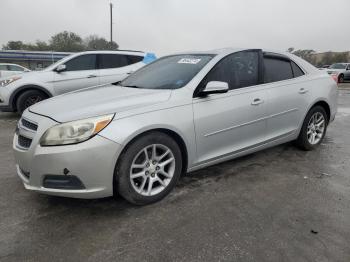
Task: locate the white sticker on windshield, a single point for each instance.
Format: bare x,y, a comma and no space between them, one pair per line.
192,61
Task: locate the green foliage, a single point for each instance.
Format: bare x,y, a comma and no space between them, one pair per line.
320,59
64,42
95,42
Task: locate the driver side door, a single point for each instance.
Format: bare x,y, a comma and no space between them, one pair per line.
81,72
234,121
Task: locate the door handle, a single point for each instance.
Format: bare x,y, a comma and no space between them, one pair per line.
91,76
303,90
257,101
129,73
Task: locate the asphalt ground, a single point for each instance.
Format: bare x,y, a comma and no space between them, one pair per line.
280,204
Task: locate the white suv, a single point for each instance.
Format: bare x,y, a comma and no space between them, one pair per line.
80,70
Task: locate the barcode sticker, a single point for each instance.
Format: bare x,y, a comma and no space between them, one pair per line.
192,61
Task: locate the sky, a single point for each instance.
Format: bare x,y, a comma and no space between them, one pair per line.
167,26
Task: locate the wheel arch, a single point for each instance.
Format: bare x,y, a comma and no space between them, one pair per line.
14,96
325,106
173,134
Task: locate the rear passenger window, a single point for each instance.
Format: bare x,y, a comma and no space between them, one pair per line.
296,70
277,70
113,61
133,59
239,70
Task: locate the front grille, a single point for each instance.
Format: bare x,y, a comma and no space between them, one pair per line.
29,125
24,141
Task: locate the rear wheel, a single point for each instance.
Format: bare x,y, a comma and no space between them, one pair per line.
29,98
313,129
149,168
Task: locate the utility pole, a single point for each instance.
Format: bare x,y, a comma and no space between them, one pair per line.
111,10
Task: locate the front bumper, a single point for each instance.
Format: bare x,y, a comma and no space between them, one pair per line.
5,105
91,162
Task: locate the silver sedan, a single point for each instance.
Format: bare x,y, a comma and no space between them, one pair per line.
178,114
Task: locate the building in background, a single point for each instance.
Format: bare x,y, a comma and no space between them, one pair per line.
34,60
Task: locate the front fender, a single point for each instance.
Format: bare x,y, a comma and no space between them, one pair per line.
176,119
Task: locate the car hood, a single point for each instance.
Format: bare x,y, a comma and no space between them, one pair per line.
96,101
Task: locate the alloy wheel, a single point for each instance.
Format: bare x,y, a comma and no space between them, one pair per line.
316,128
152,169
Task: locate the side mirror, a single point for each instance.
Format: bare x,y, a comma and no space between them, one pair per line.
214,87
60,68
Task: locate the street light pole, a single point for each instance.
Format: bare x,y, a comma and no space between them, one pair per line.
111,10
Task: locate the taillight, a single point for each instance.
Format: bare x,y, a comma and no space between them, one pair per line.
335,77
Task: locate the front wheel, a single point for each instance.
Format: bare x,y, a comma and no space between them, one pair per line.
29,98
149,168
313,129
341,79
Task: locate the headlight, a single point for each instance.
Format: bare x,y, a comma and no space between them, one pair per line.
75,132
7,81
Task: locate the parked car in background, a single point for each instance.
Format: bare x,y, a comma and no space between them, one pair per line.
11,69
178,114
340,71
73,72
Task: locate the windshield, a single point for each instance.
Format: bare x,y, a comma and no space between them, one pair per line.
337,66
169,72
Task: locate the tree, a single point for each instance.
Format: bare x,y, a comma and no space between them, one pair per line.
13,45
66,42
290,49
95,42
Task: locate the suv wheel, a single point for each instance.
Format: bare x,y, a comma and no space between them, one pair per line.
313,129
29,98
149,168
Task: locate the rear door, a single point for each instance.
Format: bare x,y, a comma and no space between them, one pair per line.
234,121
81,72
115,67
288,95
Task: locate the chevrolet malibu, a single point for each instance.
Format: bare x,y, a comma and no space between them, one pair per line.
178,114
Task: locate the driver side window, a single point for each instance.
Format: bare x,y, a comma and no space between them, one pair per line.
239,70
83,62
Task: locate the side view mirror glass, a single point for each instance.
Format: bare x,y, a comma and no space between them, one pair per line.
215,87
60,68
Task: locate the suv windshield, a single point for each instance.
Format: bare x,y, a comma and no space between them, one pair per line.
337,66
169,72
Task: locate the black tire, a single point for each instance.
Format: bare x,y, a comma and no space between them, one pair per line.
302,141
29,98
341,79
122,173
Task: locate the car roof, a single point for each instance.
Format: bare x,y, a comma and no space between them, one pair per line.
124,52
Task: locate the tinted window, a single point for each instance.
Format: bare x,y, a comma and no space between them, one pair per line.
133,59
337,66
84,62
15,68
277,70
296,70
169,72
240,69
3,67
113,61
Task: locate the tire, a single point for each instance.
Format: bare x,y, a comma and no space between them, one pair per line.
134,183
29,98
305,140
341,79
